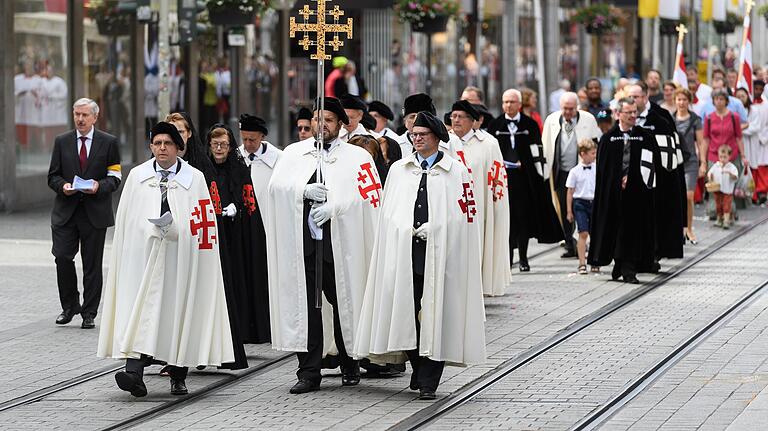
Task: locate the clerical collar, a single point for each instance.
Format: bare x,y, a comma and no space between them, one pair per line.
173,169
430,160
468,136
331,145
624,131
516,118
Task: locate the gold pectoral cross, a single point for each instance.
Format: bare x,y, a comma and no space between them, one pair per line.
321,28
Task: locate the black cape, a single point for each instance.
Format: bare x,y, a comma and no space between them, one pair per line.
530,200
623,223
670,192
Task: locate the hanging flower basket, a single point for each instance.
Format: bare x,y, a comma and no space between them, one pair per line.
729,25
600,18
763,10
427,16
235,13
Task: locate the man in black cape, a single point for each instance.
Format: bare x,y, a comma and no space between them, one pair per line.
623,222
532,214
670,195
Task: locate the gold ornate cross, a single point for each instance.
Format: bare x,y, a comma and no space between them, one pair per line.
749,5
681,31
321,28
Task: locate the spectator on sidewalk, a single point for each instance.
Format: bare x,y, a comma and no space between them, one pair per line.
530,100
595,102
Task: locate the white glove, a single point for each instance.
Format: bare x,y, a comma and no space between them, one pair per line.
316,192
422,232
320,214
230,211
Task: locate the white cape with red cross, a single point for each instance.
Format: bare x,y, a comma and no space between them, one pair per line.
354,194
164,295
452,314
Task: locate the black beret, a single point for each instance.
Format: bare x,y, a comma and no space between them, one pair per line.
252,123
418,102
353,102
428,120
463,105
304,114
382,109
333,104
368,121
163,128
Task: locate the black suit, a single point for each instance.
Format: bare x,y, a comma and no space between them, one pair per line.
82,219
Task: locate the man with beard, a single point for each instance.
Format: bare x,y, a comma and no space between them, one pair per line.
670,178
486,166
531,212
323,219
623,222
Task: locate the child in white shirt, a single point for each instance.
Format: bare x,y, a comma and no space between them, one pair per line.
581,192
724,173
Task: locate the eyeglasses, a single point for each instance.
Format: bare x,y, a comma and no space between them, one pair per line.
219,145
303,128
628,112
415,135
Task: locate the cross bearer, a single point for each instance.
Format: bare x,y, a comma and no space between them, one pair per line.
324,220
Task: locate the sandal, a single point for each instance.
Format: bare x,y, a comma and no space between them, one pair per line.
583,269
595,270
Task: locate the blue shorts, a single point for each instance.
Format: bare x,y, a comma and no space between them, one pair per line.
582,213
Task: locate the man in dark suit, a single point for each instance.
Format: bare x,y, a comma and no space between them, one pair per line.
80,217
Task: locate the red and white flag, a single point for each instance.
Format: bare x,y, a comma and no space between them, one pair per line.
745,59
679,76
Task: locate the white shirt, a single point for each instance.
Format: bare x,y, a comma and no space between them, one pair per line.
581,178
719,174
88,141
173,169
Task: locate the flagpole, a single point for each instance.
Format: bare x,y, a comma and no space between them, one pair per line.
742,53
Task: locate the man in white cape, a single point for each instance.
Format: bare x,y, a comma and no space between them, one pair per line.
259,155
485,163
423,296
335,218
164,296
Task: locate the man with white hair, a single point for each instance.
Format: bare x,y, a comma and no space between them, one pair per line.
84,172
562,132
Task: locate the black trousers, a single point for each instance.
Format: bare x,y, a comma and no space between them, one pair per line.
624,268
426,372
137,366
78,232
562,195
310,362
520,241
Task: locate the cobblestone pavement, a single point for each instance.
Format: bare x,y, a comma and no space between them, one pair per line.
36,353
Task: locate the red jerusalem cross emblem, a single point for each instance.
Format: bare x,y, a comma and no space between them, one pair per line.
460,153
467,203
203,222
369,188
496,180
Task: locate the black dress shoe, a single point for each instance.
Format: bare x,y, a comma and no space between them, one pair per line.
303,386
414,383
615,273
65,317
178,387
568,254
350,375
655,267
524,267
426,394
88,323
131,382
631,279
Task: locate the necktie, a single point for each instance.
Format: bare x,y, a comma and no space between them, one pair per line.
83,154
327,146
164,207
587,167
568,126
513,121
251,156
424,165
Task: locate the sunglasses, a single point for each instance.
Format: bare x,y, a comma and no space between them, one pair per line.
303,128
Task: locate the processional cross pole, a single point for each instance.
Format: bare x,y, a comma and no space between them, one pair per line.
326,23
